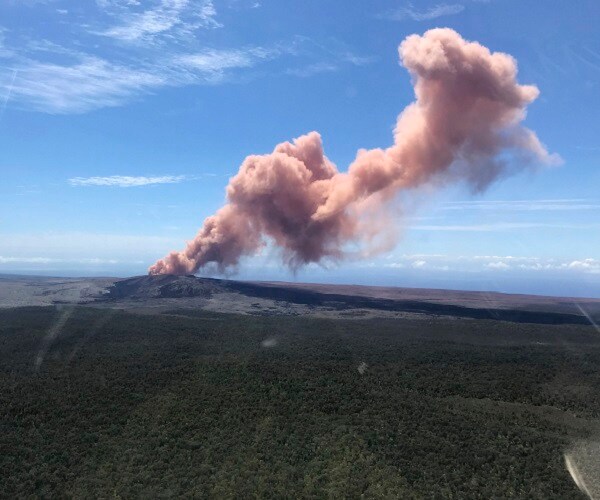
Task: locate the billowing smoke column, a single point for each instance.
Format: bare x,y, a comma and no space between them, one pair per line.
464,125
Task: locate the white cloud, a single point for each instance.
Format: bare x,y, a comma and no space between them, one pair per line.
25,260
105,4
92,83
182,16
336,58
213,60
586,265
409,12
89,84
125,180
144,47
5,52
498,265
312,69
492,263
211,64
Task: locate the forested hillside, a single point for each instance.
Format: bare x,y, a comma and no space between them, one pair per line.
112,404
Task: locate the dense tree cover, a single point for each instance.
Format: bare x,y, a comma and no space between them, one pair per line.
209,405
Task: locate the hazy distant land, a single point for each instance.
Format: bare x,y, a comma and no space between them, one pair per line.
160,293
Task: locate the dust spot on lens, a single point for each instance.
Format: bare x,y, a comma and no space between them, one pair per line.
583,463
270,342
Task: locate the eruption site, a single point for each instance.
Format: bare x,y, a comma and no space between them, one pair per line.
465,125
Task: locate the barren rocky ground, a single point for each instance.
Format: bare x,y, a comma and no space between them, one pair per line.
151,294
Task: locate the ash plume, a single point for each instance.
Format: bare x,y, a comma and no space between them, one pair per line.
465,125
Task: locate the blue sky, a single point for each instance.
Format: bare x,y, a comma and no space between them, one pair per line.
122,120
